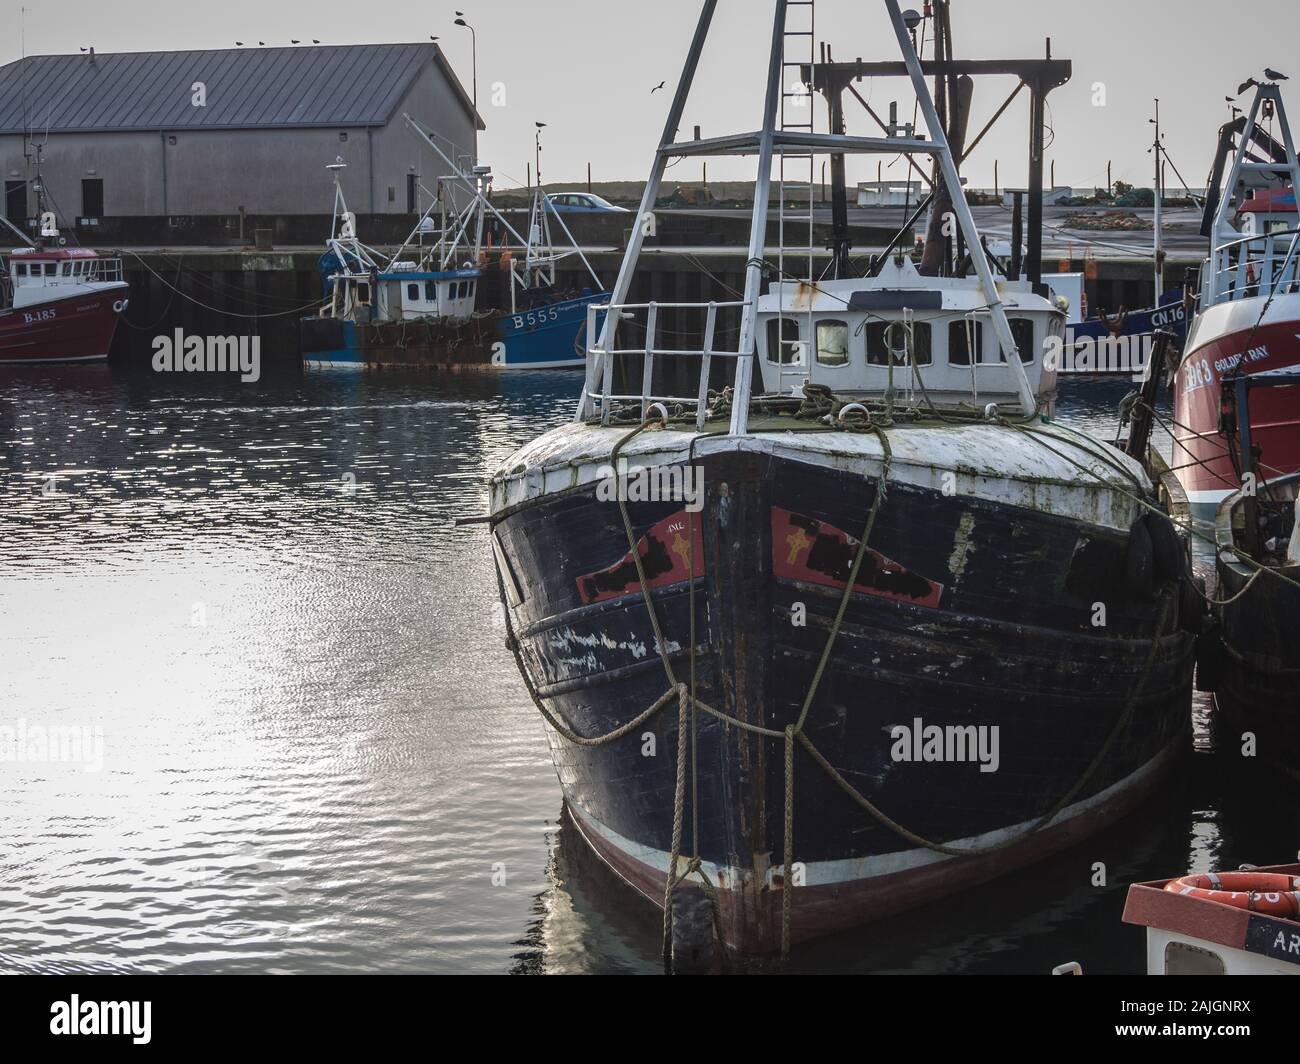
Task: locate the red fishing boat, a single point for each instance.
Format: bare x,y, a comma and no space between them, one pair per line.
59,305
1248,311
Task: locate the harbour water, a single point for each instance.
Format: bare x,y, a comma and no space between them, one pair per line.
305,746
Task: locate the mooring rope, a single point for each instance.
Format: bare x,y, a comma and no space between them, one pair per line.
688,702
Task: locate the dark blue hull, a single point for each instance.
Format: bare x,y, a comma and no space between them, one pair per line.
547,336
1122,343
1000,637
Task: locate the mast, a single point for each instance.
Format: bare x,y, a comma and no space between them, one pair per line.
767,143
1158,151
595,366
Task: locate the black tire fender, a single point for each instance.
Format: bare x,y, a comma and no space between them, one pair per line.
692,930
1139,566
1192,610
1167,548
1211,657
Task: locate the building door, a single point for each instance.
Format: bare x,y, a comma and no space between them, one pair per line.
410,194
92,198
16,201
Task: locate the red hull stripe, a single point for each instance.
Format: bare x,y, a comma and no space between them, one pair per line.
1200,454
78,328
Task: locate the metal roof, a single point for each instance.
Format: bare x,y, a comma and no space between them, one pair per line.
247,88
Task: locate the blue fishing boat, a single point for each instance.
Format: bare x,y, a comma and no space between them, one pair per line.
1121,343
449,298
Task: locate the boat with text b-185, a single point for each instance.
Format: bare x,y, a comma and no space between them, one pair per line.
58,304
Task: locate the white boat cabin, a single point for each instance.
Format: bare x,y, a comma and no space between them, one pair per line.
39,276
404,293
907,333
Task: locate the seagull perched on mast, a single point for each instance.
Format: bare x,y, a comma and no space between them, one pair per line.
1273,75
1246,85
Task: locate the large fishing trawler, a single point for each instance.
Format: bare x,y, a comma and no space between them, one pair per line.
862,627
1247,320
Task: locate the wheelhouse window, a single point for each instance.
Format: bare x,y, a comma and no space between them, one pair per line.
51,269
431,291
783,341
964,336
891,339
413,292
832,343
1022,331
20,269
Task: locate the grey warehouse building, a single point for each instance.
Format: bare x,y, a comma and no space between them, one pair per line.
229,132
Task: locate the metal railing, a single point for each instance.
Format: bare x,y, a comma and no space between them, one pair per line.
1252,266
603,361
105,270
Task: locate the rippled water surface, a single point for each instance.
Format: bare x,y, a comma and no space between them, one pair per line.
300,744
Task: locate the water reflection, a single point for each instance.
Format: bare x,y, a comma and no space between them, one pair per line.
316,753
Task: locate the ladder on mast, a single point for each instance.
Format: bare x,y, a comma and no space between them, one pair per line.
796,208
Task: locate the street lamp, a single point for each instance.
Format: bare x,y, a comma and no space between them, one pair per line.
460,21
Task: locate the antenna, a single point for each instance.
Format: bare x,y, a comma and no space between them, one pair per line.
23,79
1158,150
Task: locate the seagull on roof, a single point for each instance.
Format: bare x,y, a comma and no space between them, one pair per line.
295,42
239,44
1273,75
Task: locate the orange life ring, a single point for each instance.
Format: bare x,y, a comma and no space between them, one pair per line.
1260,892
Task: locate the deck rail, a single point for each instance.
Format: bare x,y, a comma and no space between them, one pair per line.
602,361
1262,265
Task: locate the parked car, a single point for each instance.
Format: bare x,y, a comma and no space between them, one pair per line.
583,201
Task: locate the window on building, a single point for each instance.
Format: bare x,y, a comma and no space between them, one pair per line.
92,197
892,338
392,194
16,201
343,138
410,194
832,343
964,336
782,341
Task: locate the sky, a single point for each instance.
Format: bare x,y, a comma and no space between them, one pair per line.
587,68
